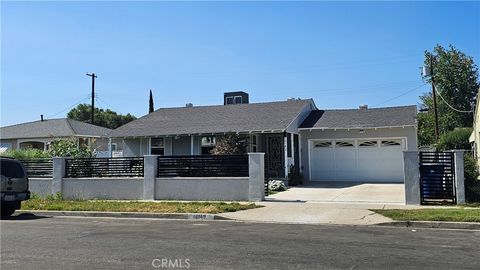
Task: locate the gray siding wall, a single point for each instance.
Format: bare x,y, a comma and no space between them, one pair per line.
181,146
99,144
408,132
135,147
168,146
12,142
197,145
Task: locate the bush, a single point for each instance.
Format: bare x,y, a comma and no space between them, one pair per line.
276,185
230,144
294,176
470,168
26,154
69,148
455,139
472,184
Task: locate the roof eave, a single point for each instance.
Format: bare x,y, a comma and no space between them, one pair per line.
348,128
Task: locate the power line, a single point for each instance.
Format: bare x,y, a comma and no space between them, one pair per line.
70,107
401,95
106,103
451,107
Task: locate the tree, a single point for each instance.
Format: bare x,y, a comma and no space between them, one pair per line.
456,81
230,144
68,148
105,118
455,139
150,103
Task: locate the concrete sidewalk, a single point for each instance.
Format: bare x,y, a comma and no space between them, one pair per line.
314,213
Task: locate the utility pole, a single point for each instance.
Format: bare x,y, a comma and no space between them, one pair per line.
434,96
92,121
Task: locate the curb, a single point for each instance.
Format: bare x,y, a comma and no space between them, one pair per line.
434,224
183,216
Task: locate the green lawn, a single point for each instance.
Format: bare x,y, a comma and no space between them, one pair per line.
437,214
55,203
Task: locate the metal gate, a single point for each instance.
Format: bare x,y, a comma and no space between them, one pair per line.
437,177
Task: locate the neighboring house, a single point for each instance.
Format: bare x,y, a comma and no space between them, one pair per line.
39,134
475,136
350,145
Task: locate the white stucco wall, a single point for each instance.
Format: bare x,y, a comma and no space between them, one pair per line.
211,188
409,133
40,186
103,188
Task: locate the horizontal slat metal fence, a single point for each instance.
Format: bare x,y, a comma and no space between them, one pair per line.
104,167
203,166
39,168
437,177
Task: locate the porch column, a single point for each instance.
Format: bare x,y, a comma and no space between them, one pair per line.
459,176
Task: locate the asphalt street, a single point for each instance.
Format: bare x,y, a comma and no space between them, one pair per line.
29,242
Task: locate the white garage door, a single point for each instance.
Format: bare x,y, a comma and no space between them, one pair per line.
357,160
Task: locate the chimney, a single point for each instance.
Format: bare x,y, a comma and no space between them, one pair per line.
363,106
41,117
239,97
189,105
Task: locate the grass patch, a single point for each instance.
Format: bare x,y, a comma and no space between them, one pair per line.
58,204
441,214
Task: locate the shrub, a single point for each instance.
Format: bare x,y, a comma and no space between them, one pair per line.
472,184
455,139
26,154
470,168
230,144
276,185
294,176
69,148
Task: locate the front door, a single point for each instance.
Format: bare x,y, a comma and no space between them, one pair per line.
275,156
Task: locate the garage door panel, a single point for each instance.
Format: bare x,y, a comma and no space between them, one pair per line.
323,163
369,162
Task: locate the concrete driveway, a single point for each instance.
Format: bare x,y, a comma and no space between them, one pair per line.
328,203
344,192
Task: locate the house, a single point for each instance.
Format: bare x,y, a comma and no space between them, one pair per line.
39,134
349,145
475,136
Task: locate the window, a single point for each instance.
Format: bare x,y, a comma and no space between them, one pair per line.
289,145
391,143
343,144
11,169
323,145
208,143
83,142
370,143
157,146
253,143
238,100
229,100
114,147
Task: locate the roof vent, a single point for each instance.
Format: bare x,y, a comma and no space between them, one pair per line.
363,106
189,105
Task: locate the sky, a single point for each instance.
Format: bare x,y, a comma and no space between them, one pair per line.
341,54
